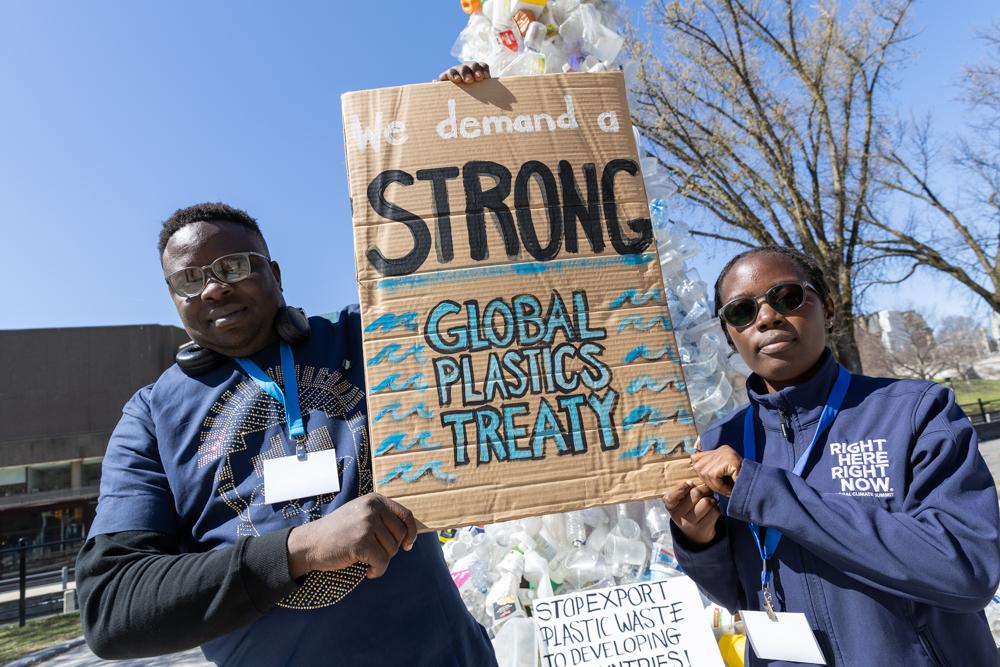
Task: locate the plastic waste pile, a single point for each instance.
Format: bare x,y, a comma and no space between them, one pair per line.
500,569
517,37
713,372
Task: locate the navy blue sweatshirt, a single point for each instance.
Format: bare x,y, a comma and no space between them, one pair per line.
891,542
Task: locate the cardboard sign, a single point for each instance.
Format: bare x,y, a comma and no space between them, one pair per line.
653,624
518,349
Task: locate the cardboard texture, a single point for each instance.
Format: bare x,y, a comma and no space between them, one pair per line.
519,354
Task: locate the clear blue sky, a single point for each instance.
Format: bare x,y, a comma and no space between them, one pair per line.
113,114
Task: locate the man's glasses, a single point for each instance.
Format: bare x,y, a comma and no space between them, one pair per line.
783,297
190,282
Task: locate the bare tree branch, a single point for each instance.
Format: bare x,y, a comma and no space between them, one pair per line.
958,233
764,113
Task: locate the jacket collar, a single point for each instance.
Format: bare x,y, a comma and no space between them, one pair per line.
802,403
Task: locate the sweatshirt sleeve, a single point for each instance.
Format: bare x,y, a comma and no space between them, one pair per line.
941,549
140,597
135,492
711,566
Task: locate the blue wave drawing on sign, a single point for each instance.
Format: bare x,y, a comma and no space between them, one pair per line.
643,352
398,442
392,383
632,296
410,472
522,268
647,414
658,445
393,354
637,322
652,384
642,414
682,416
389,321
398,413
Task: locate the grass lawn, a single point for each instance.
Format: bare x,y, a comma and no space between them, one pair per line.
968,392
16,642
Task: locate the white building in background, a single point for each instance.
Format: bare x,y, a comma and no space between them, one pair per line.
895,327
995,332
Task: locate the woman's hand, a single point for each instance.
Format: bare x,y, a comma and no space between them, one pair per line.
718,468
694,510
466,73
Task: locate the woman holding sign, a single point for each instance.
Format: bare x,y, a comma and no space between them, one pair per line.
853,514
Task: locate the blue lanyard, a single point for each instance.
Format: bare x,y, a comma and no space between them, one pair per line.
773,536
289,400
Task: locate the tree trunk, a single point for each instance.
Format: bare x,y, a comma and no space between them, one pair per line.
842,340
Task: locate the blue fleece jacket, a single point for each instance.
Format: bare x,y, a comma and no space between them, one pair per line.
891,542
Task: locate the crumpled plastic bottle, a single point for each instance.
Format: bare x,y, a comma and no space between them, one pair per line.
530,60
470,576
624,551
502,601
584,565
993,617
515,643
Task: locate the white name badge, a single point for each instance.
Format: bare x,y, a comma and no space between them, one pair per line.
288,478
789,638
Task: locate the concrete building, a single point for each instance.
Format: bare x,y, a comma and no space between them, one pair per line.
896,327
62,395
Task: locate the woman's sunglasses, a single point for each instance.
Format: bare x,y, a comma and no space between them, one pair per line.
783,297
189,282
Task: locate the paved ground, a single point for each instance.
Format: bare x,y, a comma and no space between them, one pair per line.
991,452
35,591
82,657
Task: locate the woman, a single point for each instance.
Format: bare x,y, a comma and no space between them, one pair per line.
889,530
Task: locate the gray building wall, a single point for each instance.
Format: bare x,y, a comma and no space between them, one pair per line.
63,389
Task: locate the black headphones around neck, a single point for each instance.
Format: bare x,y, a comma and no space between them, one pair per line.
291,325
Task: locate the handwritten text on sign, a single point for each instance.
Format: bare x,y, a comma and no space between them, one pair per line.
653,624
519,355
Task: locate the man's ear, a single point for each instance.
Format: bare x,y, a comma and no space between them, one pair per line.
276,270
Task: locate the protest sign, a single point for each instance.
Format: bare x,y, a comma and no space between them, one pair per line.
652,624
519,353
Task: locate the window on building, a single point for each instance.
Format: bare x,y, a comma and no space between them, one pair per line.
13,480
48,477
91,472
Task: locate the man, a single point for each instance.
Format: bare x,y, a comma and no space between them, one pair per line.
195,541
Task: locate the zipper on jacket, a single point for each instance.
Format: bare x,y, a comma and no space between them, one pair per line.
786,427
932,653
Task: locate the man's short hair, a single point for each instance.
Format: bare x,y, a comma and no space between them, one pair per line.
205,212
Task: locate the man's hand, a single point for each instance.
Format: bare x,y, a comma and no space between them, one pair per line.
694,510
718,468
466,73
369,530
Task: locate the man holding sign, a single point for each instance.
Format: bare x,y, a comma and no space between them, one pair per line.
518,360
236,508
